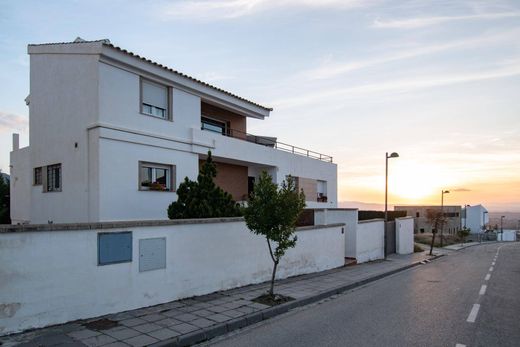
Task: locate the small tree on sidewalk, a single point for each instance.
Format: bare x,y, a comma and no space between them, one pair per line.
272,212
435,219
463,233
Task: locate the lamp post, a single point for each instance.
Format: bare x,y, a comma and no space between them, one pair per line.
442,214
393,155
502,228
483,223
465,215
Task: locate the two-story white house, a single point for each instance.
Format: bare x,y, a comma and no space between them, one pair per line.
113,134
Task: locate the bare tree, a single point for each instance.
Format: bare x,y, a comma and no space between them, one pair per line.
436,220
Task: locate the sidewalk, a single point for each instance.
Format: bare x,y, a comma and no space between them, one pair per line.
193,320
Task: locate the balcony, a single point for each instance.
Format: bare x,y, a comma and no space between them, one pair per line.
265,141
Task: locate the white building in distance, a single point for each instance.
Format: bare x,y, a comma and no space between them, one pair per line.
475,218
113,134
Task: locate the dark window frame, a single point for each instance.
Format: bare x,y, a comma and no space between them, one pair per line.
46,187
173,176
38,176
169,111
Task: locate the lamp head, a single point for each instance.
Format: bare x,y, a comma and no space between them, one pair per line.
445,191
393,155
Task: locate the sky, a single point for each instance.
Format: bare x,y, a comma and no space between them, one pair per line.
436,81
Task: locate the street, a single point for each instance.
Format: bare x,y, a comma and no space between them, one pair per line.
468,298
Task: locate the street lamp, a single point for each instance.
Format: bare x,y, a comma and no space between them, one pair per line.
393,155
442,214
502,227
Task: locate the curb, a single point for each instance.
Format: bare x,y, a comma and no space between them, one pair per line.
256,317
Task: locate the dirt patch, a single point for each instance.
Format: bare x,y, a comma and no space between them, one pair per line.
269,300
101,324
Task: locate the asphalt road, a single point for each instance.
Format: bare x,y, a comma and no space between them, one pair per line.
430,305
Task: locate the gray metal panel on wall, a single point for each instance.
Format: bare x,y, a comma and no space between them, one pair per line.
152,254
114,248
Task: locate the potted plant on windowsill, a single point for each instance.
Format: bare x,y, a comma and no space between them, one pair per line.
157,187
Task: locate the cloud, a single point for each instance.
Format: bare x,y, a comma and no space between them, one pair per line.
11,122
333,94
419,22
228,9
461,190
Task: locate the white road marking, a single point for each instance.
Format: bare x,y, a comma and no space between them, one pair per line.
488,276
491,269
460,345
493,263
473,314
482,290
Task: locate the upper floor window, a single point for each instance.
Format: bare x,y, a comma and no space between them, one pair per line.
154,99
213,125
321,189
37,180
53,178
158,177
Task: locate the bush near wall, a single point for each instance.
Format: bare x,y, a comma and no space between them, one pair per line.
392,215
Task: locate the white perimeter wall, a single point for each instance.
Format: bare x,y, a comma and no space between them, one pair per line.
404,235
51,277
370,236
507,235
347,216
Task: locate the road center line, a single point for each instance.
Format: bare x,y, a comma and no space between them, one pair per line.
460,345
491,269
473,314
488,276
493,263
482,290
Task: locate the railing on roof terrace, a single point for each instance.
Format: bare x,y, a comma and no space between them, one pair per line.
271,142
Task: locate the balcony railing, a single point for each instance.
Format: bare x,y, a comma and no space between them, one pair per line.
272,142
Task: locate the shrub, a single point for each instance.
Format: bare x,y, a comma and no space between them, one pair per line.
203,198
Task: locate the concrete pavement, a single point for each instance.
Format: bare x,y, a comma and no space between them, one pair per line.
440,304
199,318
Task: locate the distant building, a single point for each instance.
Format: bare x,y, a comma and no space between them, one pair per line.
475,218
421,223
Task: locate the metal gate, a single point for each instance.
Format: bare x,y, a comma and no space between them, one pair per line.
390,238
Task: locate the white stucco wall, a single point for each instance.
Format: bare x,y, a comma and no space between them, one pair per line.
20,186
476,218
341,215
507,235
370,240
51,277
404,235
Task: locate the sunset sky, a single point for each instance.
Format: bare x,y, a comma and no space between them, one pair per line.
436,81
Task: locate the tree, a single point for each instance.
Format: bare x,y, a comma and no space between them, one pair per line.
463,233
435,219
203,198
272,212
4,200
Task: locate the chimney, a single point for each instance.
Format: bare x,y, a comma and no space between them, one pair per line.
16,142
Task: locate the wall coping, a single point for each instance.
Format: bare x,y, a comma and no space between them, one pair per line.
371,220
12,228
406,217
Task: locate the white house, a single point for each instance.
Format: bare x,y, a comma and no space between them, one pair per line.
475,218
112,135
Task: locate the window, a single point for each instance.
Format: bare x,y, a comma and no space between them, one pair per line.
53,178
157,177
37,181
321,189
417,214
213,125
154,99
